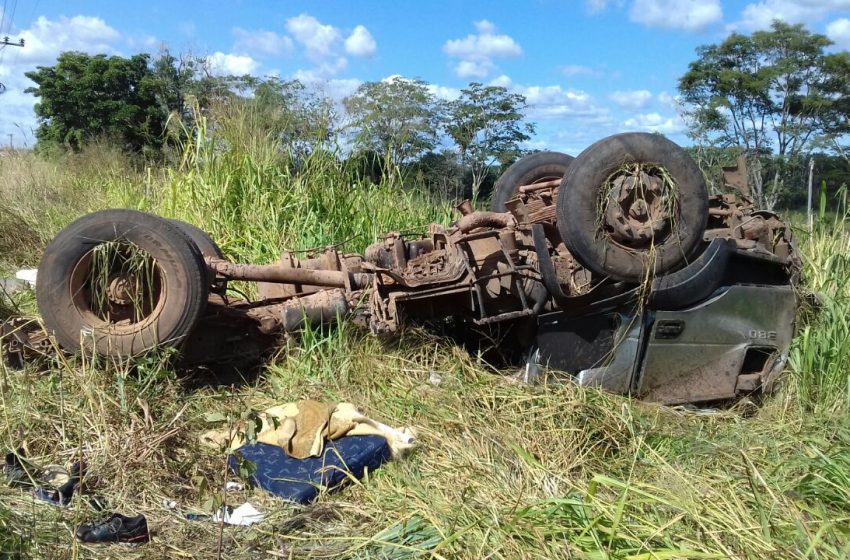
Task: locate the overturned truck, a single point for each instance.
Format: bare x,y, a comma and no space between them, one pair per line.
615,267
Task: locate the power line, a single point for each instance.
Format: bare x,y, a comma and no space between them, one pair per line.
6,42
14,9
12,18
3,17
8,22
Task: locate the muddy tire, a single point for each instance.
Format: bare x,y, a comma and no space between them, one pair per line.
208,248
530,169
632,203
123,282
202,239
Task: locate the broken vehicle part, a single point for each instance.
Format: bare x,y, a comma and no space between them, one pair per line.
632,205
623,273
540,170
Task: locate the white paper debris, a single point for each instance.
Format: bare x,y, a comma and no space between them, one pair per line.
246,514
27,275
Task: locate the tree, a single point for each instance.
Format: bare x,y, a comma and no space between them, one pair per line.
301,118
397,117
441,173
83,97
775,92
486,124
175,75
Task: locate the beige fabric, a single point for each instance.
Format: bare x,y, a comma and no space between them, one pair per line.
301,428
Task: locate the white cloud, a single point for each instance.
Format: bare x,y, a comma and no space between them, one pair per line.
45,39
477,51
143,42
261,43
654,122
395,77
839,32
478,69
669,101
444,93
689,15
632,100
337,89
485,44
759,15
323,45
237,65
502,81
573,70
361,43
554,102
596,6
320,41
322,71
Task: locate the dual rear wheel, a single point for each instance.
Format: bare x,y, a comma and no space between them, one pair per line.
124,282
629,207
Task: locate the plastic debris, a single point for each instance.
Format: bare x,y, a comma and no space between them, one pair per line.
244,515
27,275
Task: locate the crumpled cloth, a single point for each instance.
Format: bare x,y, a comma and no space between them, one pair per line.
301,429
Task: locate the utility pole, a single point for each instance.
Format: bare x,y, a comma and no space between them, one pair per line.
6,42
809,206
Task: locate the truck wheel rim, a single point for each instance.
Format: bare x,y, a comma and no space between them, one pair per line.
638,206
118,287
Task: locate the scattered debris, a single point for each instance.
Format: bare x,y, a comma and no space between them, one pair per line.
9,286
55,475
57,497
302,428
27,275
65,484
246,514
18,471
301,480
114,529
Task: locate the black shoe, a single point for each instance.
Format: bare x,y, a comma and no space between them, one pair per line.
116,528
17,471
62,496
51,496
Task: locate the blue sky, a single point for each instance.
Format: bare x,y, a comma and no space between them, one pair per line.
588,68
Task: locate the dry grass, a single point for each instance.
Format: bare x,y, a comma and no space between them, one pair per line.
502,470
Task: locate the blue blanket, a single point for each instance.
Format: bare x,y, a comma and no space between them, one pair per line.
301,480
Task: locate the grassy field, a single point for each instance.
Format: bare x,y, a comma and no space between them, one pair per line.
502,470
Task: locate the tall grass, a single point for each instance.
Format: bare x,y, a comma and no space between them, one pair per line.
820,356
257,201
502,470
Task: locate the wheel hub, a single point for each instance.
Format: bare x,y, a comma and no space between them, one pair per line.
122,290
636,210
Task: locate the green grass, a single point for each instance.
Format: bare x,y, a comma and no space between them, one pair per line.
502,470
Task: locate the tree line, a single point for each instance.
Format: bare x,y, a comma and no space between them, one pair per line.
779,96
397,123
